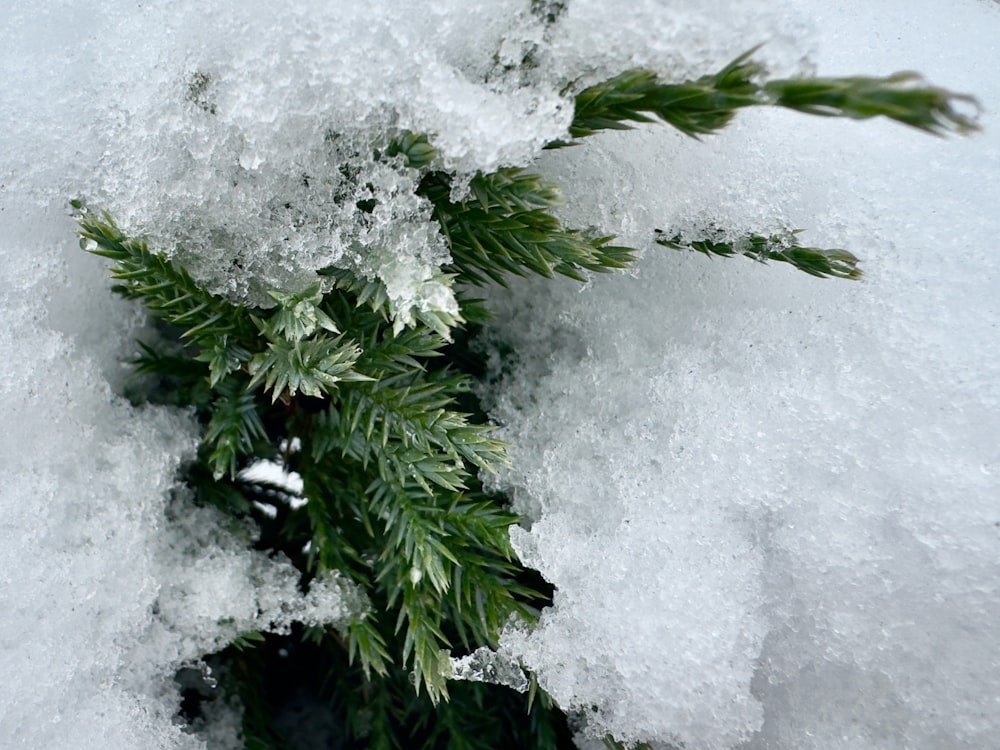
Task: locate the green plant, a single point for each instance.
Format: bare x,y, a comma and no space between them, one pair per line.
379,422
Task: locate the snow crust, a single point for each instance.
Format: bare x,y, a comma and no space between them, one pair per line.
768,502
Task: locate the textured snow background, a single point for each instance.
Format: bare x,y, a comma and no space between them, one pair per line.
769,503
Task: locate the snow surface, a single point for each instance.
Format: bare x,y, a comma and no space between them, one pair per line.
769,503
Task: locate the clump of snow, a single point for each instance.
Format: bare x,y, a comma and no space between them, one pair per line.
245,138
486,665
219,589
682,40
108,588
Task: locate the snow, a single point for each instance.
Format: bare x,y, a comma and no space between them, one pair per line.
93,547
768,502
486,665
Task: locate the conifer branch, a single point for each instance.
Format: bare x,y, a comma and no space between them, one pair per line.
401,424
234,428
182,380
369,293
366,644
373,294
709,103
338,528
389,464
313,366
902,97
783,248
443,553
166,290
479,608
694,107
223,354
415,148
299,315
505,228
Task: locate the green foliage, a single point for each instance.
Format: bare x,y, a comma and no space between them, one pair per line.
783,248
694,107
708,104
334,385
392,498
901,97
415,148
233,428
312,367
167,291
384,714
505,227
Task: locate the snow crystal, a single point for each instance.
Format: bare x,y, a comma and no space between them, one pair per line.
486,665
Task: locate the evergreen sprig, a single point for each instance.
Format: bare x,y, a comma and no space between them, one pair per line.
781,247
313,367
903,97
694,107
708,104
234,427
390,467
166,290
505,227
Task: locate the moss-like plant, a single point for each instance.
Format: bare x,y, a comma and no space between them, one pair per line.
378,420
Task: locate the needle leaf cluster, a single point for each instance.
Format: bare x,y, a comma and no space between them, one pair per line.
708,104
780,247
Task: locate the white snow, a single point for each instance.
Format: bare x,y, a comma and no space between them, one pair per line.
90,550
769,502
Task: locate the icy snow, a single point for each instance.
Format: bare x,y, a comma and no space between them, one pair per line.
768,502
92,547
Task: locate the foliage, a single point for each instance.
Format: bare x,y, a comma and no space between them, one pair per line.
708,104
505,227
385,713
783,247
328,384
